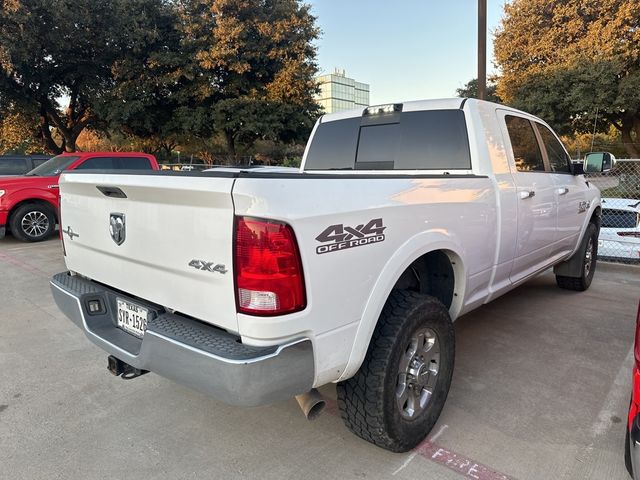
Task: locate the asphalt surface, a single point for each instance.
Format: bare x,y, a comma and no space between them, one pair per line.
540,391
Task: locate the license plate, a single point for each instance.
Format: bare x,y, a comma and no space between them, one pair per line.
132,318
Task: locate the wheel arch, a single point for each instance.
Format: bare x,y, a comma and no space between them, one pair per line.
427,249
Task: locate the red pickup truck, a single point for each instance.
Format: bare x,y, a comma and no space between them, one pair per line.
29,204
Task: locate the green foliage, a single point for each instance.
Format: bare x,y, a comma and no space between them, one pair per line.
569,60
53,49
144,100
254,69
160,73
470,90
18,131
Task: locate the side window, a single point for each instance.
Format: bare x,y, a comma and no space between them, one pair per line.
133,163
558,158
526,150
97,163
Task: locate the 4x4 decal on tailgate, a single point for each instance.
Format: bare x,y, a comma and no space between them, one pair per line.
340,237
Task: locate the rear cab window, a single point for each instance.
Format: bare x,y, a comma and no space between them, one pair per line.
13,166
395,140
613,218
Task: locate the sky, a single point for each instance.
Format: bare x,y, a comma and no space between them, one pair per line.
404,49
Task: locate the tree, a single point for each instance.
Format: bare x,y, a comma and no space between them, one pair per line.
573,62
254,71
147,100
55,51
470,90
18,131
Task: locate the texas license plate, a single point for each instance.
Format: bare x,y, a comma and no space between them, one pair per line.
132,318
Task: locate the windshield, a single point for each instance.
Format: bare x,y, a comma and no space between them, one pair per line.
53,166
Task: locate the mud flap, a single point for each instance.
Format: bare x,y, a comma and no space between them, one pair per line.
573,266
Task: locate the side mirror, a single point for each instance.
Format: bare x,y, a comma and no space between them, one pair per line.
577,168
598,162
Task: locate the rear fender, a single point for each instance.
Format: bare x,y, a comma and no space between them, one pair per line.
410,251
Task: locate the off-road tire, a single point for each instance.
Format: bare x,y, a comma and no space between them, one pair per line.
36,210
581,283
367,401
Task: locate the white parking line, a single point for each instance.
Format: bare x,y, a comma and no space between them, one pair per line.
406,462
413,454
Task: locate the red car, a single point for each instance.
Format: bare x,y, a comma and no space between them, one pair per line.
29,204
632,445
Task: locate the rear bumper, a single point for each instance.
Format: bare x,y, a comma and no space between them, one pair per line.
187,351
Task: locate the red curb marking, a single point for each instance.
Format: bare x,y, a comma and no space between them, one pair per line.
458,463
446,457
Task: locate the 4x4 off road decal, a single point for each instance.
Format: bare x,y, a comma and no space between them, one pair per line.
340,237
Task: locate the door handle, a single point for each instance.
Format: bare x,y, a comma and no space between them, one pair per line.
563,191
527,194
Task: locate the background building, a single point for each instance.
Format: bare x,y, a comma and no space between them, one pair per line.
338,92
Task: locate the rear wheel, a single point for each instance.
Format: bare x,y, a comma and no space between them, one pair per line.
397,395
589,252
32,222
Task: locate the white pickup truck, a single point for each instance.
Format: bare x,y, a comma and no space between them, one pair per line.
256,285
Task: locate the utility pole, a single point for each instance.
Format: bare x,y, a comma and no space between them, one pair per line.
482,49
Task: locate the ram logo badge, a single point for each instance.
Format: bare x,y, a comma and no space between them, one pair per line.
340,237
208,266
117,228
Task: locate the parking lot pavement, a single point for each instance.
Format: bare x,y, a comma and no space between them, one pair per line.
540,391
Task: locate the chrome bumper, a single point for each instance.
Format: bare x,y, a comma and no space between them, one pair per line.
187,351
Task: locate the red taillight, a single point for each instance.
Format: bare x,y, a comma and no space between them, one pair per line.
268,270
629,234
636,347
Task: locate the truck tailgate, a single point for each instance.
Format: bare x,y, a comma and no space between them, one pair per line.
177,245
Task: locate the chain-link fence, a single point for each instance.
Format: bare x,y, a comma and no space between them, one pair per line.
619,239
212,161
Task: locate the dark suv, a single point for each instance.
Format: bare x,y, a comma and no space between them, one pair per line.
20,164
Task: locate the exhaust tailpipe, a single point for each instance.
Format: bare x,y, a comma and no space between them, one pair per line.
311,403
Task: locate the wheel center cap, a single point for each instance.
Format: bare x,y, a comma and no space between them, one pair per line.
419,371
